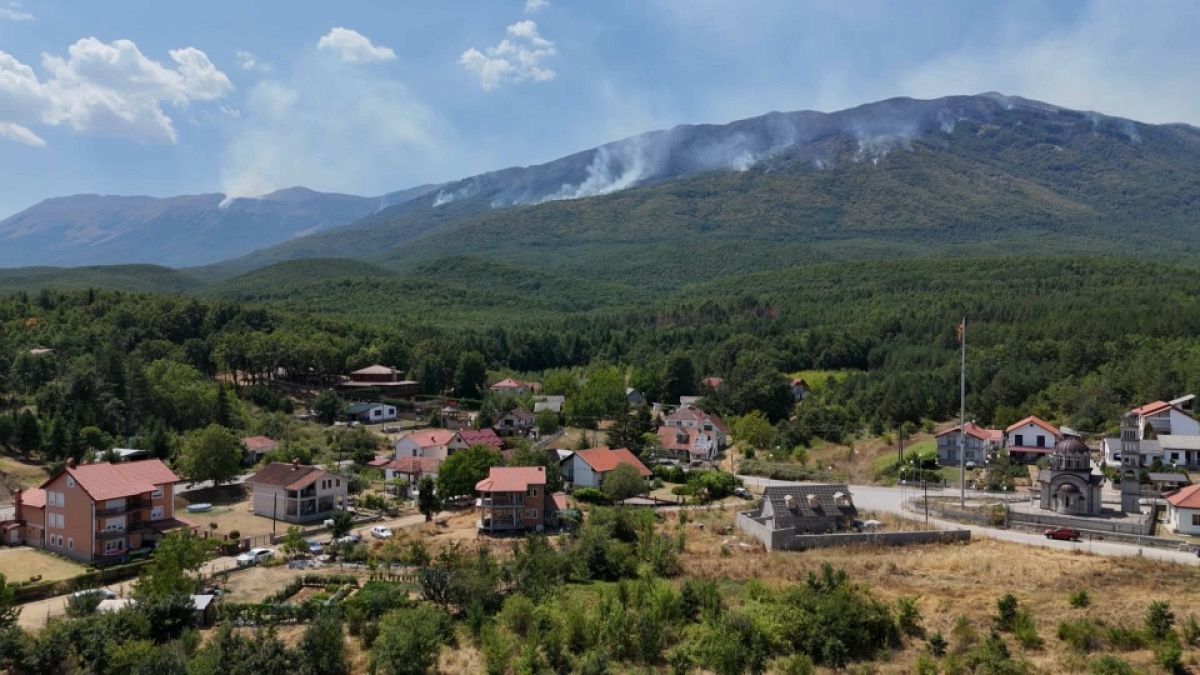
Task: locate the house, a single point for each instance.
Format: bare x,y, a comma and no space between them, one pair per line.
370,413
1030,439
687,443
98,512
979,443
589,467
514,387
1183,510
712,383
385,379
1181,451
788,511
634,397
257,447
517,421
691,417
799,389
514,498
551,403
296,493
411,470
1166,417
430,443
484,437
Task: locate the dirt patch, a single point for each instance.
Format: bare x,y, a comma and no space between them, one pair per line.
231,512
22,563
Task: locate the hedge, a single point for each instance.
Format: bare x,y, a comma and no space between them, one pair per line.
47,589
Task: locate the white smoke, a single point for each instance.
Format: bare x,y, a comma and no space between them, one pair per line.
613,168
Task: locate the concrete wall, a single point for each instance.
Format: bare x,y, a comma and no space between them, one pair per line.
775,540
1134,524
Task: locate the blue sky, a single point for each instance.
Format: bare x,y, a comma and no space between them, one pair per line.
160,98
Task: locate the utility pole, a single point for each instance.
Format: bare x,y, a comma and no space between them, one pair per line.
962,418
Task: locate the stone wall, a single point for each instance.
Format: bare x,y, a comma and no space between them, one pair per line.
785,540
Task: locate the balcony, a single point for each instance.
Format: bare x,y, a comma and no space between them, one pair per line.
130,506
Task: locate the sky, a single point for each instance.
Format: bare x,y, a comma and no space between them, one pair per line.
162,98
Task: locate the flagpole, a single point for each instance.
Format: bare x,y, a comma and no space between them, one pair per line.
962,419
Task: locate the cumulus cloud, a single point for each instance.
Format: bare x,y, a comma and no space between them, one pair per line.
354,47
248,60
20,134
13,12
534,6
516,60
108,89
331,125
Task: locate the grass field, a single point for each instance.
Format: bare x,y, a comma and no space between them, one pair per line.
21,563
18,474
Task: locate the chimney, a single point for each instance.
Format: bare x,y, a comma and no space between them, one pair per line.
789,502
17,504
295,463
813,502
70,462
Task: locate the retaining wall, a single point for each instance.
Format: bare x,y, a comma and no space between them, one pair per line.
788,540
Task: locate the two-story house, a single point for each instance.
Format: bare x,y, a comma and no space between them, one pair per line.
516,421
687,443
978,443
1161,418
99,512
589,467
1030,439
430,443
514,498
691,417
297,493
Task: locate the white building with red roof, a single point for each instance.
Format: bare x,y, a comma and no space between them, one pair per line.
515,387
688,443
1166,417
431,443
297,493
691,417
589,467
1183,510
979,442
1030,439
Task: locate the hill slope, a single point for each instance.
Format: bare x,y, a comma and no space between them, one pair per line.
175,231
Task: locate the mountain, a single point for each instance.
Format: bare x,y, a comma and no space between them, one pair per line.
175,231
961,175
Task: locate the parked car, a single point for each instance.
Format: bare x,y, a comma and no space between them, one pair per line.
314,548
350,538
103,593
381,532
1062,534
255,556
743,493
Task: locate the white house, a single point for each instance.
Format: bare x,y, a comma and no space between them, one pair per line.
1030,439
1165,417
371,413
430,443
297,493
1183,510
979,442
691,417
688,443
411,470
588,467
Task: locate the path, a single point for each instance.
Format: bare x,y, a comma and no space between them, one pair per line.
891,499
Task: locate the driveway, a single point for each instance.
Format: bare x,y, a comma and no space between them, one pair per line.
892,499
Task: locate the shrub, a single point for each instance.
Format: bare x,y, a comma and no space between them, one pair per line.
591,496
409,640
1169,656
925,665
1080,599
1110,665
1126,639
908,617
1159,620
1007,608
936,645
1025,630
964,634
1083,635
795,664
1191,631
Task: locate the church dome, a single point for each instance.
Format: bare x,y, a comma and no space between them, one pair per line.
1071,446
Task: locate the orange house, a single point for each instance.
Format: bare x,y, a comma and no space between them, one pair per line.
515,498
98,512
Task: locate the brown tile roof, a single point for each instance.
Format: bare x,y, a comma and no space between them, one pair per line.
975,431
104,481
428,438
603,460
259,443
34,497
512,478
1036,421
1150,408
481,437
287,476
1185,498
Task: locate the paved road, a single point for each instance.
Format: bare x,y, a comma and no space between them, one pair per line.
891,499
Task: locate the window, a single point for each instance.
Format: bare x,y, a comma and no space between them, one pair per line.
1019,440
114,524
70,543
531,492
114,546
156,513
1041,442
531,514
70,482
1196,519
56,521
158,492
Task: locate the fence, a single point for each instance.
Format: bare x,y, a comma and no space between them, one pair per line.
788,540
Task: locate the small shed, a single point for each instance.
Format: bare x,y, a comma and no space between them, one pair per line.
203,607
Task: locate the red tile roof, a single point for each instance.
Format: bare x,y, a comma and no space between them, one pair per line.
691,412
259,443
428,438
414,465
512,478
975,431
104,481
1185,498
509,383
556,501
603,460
1151,408
481,437
34,497
1037,421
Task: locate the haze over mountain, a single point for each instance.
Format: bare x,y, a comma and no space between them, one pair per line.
174,231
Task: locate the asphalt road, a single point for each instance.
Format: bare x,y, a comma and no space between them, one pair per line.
891,500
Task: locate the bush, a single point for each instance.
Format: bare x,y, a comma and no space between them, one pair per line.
1007,608
1126,639
1025,630
1169,656
409,640
1083,635
908,617
1159,620
1110,665
1080,599
1191,631
591,496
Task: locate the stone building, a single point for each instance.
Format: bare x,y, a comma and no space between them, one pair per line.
1068,485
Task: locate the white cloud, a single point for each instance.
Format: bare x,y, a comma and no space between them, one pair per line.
247,60
354,47
534,6
13,12
20,134
516,60
108,89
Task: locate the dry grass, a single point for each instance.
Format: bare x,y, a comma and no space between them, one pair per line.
231,511
21,563
17,474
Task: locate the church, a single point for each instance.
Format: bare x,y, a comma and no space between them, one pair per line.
1067,485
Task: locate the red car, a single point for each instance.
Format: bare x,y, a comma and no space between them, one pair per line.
1062,534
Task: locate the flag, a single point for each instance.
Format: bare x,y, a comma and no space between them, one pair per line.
958,331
